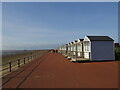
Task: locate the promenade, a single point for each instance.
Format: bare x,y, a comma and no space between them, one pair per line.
53,70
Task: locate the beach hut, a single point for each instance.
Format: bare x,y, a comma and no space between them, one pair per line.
65,49
80,48
98,48
69,50
74,48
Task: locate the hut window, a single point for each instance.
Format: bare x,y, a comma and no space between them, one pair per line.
86,46
74,47
79,47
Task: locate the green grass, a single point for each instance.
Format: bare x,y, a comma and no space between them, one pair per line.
117,53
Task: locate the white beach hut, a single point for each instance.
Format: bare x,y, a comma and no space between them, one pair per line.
80,48
74,48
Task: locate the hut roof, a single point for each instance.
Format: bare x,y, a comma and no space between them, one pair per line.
100,38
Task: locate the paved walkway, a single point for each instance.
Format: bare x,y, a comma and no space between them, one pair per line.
54,71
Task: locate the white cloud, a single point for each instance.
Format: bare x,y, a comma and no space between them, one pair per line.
22,37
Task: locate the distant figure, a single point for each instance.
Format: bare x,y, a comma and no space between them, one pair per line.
54,51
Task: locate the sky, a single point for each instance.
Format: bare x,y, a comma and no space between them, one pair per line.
44,25
60,0
0,27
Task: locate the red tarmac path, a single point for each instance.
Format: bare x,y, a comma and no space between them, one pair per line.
54,71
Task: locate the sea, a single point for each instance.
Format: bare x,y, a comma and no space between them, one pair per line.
13,52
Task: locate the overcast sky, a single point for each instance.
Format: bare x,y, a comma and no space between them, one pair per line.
30,25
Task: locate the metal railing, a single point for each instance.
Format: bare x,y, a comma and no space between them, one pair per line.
15,64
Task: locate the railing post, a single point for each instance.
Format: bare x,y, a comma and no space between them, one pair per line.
31,57
24,60
18,62
10,66
28,58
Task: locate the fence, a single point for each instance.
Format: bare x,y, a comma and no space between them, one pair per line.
15,64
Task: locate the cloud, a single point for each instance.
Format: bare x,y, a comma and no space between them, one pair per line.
25,37
26,29
20,37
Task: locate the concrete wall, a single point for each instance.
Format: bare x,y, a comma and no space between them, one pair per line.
102,50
